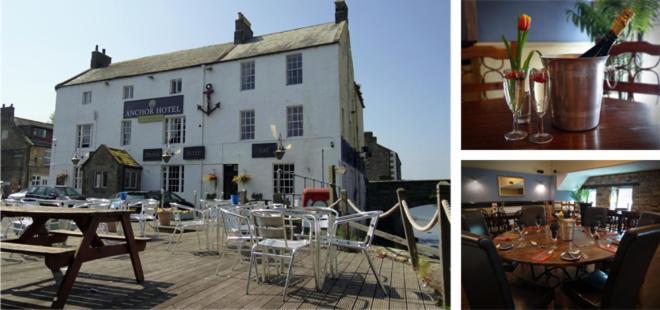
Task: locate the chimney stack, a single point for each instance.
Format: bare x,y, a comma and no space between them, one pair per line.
100,59
7,114
243,32
341,11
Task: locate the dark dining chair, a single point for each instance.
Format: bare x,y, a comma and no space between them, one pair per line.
632,69
593,216
485,284
583,210
529,214
474,222
648,218
620,288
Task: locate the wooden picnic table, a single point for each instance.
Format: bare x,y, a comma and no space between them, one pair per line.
37,240
623,125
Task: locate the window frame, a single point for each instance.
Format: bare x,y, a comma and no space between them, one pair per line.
287,176
246,124
168,127
125,134
77,178
176,86
127,92
87,97
294,69
292,127
47,156
80,136
248,75
100,180
131,179
173,183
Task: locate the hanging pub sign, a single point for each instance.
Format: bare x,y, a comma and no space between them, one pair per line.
263,150
152,154
194,152
153,106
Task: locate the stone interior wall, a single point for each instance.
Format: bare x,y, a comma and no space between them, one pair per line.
646,195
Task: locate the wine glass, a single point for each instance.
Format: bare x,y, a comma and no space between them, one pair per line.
514,94
540,96
538,223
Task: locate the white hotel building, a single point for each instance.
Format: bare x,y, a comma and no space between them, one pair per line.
300,80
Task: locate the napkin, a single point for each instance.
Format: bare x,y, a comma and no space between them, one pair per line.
541,256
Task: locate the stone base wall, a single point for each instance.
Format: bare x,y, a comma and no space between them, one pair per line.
646,191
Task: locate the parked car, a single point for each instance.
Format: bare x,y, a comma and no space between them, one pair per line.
44,193
141,195
17,196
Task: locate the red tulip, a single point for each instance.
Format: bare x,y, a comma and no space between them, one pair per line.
524,22
514,75
540,77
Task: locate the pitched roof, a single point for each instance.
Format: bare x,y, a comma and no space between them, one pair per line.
123,158
28,122
259,45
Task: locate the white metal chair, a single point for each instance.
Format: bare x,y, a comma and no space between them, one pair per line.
99,204
198,223
362,245
147,216
237,229
272,239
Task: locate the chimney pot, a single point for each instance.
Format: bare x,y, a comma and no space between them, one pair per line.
96,48
103,51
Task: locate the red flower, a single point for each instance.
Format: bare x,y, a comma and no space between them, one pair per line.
514,75
540,77
524,22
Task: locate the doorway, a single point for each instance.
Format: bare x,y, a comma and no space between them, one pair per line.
228,186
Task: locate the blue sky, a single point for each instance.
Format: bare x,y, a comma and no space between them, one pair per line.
400,55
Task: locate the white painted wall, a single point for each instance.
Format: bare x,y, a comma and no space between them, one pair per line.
219,132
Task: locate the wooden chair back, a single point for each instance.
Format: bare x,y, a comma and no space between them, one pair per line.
631,70
475,71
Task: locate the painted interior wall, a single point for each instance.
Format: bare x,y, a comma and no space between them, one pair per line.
549,23
480,185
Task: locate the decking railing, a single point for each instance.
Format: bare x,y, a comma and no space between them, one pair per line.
441,216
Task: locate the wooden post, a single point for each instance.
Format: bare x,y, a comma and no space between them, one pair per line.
408,230
333,184
343,210
444,248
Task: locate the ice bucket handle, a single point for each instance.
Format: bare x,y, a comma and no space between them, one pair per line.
610,71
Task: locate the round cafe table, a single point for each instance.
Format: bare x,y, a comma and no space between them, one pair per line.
523,251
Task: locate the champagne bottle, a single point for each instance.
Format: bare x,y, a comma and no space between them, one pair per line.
602,48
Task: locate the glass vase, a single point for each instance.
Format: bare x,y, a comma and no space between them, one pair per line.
514,94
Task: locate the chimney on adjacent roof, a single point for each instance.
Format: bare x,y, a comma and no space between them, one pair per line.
7,114
100,59
243,32
341,11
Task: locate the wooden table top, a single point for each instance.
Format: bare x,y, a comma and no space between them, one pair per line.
56,211
589,248
623,125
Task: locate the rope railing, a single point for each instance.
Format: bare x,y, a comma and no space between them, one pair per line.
417,226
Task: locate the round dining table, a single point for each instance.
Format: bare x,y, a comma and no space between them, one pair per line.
536,247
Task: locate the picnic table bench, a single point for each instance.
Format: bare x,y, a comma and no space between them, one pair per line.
37,240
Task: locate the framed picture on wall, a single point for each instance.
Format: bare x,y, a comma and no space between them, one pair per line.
511,186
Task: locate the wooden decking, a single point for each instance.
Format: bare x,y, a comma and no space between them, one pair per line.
186,280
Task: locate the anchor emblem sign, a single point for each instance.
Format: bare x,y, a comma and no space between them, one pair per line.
208,91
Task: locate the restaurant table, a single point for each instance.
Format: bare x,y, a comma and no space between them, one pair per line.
593,250
623,124
316,216
91,246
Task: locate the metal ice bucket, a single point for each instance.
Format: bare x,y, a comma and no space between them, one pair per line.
576,90
566,229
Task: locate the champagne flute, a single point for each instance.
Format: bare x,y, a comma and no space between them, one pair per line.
540,95
514,94
538,223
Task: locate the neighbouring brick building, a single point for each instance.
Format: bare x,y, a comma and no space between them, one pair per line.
26,151
645,189
383,164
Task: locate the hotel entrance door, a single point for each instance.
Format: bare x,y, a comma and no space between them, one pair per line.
228,186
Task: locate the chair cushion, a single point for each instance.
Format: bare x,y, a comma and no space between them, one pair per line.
279,243
587,292
528,295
